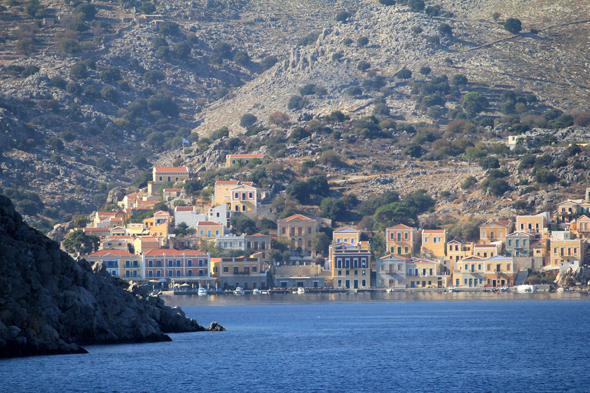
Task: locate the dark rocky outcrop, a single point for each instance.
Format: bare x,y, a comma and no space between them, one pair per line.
52,304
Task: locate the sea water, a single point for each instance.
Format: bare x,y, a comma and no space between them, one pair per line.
406,342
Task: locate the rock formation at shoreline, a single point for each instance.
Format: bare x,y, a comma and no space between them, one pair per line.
51,304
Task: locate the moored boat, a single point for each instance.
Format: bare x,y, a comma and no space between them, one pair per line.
300,291
239,291
255,291
505,289
525,288
202,292
452,290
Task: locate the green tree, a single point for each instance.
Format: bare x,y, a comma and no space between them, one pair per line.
466,231
363,65
392,214
513,25
320,243
79,71
74,89
387,2
268,62
242,58
445,29
418,201
248,120
572,150
489,163
425,70
182,50
468,182
243,224
333,208
78,241
459,80
109,93
474,102
299,190
414,150
25,46
68,45
85,11
545,176
362,41
404,73
416,5
168,28
110,74
342,16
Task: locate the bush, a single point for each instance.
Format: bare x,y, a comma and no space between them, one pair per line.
153,77
182,50
74,89
330,158
404,73
425,70
104,164
222,92
68,45
25,45
513,25
247,120
58,82
414,150
572,150
297,102
85,11
433,39
474,102
109,93
354,91
333,208
278,118
147,7
110,74
242,58
387,2
158,42
545,176
416,5
309,39
308,89
163,103
362,41
582,121
268,62
489,163
168,28
468,182
163,52
363,65
91,92
342,16
417,30
497,187
79,71
459,80
445,30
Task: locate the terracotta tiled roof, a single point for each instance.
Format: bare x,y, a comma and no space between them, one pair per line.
257,235
226,182
171,169
485,246
395,255
119,253
246,155
207,223
172,189
97,229
400,226
172,252
433,231
147,239
299,216
501,223
185,208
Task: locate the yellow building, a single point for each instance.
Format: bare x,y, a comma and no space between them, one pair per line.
116,243
402,239
487,250
299,230
469,273
158,225
350,265
533,224
223,191
108,219
162,175
457,250
209,230
248,273
499,271
145,243
424,273
495,231
137,229
232,159
118,263
434,242
565,250
581,227
244,198
346,235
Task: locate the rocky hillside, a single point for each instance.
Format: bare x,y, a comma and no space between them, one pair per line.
92,94
51,304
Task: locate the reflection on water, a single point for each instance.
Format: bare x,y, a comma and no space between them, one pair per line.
365,297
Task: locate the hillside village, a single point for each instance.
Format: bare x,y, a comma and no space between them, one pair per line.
235,239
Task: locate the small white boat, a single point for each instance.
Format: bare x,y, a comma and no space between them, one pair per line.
560,290
264,292
525,288
389,290
300,291
255,291
505,289
452,290
239,291
202,292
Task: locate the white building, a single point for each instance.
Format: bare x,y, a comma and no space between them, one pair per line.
188,215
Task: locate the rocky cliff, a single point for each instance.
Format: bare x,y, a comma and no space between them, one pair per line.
51,304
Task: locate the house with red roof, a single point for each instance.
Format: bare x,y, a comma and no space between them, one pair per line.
434,242
119,263
232,159
402,239
299,230
162,175
183,266
495,231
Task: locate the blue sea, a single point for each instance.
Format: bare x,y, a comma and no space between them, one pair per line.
406,342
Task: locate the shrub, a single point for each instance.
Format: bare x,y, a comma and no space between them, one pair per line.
417,30
163,103
459,80
268,62
425,70
362,41
342,16
247,120
68,45
58,82
520,205
147,7
416,5
297,102
308,89
85,11
545,176
109,93
182,50
387,2
79,71
330,158
468,182
25,46
74,89
572,150
445,30
104,164
474,102
354,91
91,92
309,39
168,28
513,25
163,52
192,39
582,121
158,42
497,187
489,163
242,58
333,208
279,118
110,74
153,77
433,39
404,73
222,92
414,150
363,65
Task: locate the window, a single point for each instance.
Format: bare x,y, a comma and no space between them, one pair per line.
236,270
178,273
355,263
150,274
189,273
254,269
339,272
250,195
226,269
356,273
364,274
409,272
150,263
406,235
510,242
434,239
158,273
363,263
339,263
347,263
308,230
178,264
169,273
339,283
426,240
399,237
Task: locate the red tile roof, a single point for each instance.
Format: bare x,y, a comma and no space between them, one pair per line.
299,216
171,169
246,155
208,223
172,252
257,235
226,182
147,239
433,231
400,226
185,208
119,253
501,223
97,229
172,189
395,255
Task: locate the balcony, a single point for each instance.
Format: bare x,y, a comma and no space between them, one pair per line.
241,273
